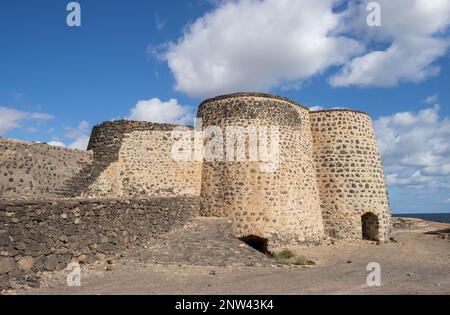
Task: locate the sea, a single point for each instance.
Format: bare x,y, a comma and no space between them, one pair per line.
435,217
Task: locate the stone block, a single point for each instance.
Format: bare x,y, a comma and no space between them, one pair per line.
7,264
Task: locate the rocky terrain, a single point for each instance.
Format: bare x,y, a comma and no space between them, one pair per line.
204,258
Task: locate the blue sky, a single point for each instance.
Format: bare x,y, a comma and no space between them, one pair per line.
57,81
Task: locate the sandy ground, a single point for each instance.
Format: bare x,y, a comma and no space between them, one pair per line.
417,262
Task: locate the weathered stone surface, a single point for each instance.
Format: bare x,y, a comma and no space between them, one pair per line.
51,262
280,204
4,238
204,242
53,241
330,179
39,263
28,169
134,158
7,264
353,192
4,282
16,274
26,263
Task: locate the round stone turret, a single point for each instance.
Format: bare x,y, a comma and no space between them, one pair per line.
352,185
273,198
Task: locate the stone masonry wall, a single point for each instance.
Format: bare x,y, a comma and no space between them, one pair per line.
349,173
329,181
282,205
35,170
133,158
47,235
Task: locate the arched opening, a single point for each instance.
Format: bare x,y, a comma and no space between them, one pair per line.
370,226
256,242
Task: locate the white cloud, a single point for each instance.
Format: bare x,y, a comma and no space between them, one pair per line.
396,64
157,111
447,201
256,45
56,144
432,99
262,44
80,135
80,143
82,129
12,119
411,30
40,116
415,148
315,108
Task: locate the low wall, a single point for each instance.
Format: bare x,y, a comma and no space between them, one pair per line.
47,235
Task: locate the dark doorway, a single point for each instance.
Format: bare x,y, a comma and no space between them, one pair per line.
370,226
256,242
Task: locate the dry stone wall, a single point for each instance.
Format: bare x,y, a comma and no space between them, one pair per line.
350,174
48,235
37,170
280,205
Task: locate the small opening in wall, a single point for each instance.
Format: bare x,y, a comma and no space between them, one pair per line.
256,242
370,226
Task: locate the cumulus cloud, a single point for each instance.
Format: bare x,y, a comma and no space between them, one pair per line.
157,111
256,45
415,148
388,68
153,110
12,119
410,29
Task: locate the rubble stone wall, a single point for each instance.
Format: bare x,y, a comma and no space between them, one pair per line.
133,158
349,173
37,170
48,235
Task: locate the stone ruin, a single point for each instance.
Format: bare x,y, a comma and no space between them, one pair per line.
59,205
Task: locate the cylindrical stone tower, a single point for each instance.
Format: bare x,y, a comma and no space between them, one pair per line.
276,201
350,176
134,159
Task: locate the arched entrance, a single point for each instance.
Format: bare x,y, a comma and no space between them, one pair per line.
370,226
258,243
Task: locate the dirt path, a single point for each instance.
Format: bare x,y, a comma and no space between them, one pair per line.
205,259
